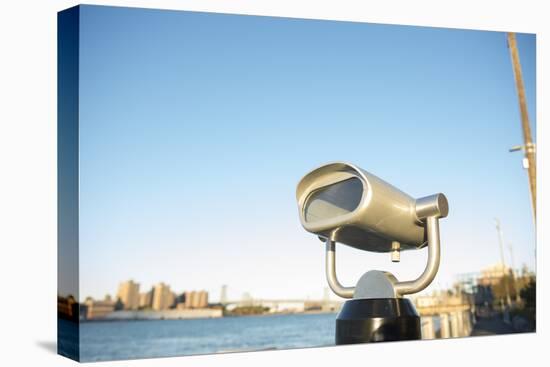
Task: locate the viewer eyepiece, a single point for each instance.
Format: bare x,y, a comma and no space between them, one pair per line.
356,208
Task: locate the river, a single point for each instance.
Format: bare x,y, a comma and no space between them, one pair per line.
114,340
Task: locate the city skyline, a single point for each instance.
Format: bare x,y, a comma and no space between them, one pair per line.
139,293
325,293
192,144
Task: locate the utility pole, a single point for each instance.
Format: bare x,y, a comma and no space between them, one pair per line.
528,147
505,276
516,289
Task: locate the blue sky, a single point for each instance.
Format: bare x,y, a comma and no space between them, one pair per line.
196,127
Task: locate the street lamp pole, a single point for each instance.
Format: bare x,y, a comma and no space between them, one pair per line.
507,289
516,288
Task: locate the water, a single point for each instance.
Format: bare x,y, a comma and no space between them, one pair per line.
100,341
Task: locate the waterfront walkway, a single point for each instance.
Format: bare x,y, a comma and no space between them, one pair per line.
491,326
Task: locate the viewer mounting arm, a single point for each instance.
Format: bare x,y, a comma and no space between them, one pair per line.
334,284
428,211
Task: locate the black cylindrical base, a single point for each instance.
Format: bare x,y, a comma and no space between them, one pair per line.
376,320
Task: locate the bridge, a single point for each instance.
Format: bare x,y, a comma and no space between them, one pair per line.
286,305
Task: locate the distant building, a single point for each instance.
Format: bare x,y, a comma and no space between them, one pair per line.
67,308
223,294
196,299
189,297
163,298
492,275
171,314
146,299
128,294
99,309
202,299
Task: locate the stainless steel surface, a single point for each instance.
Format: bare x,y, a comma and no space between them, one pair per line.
334,284
383,213
399,288
415,286
431,206
376,284
395,252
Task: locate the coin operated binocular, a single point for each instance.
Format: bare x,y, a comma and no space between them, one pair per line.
340,202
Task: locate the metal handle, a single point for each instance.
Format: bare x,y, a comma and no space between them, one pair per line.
401,288
334,284
434,256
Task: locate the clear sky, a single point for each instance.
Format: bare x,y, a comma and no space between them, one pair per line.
195,129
